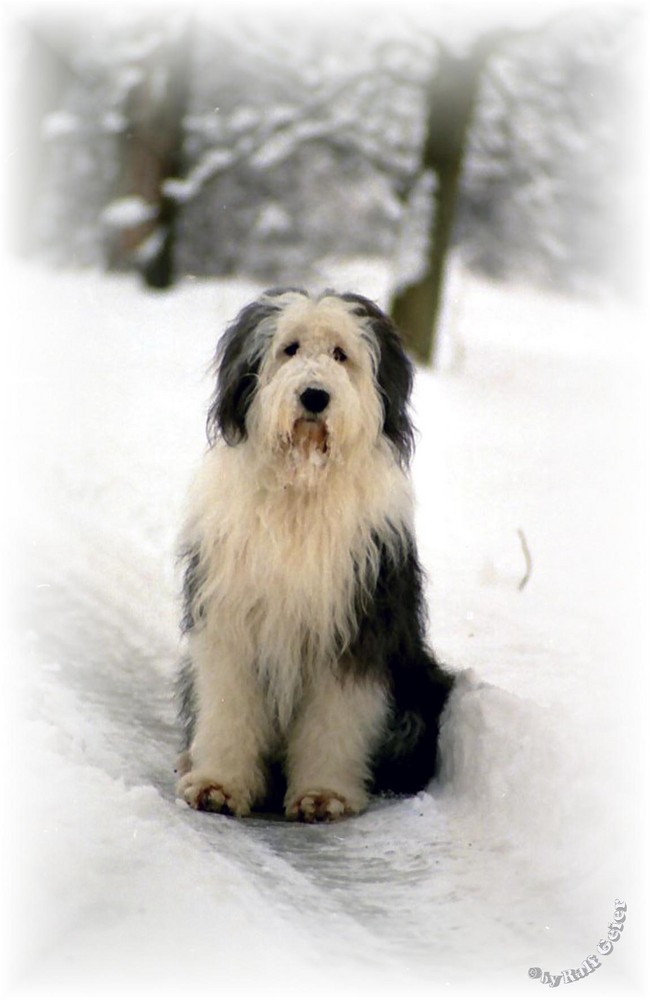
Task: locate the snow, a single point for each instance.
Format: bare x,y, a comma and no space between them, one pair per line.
128,212
273,220
211,164
412,245
60,123
513,860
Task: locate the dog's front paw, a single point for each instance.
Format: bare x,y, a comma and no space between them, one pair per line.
320,804
205,793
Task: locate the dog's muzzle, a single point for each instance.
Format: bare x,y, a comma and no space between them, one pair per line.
310,435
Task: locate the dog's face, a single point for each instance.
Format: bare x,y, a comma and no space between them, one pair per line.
312,381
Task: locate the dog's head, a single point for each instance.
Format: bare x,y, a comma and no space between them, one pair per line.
314,380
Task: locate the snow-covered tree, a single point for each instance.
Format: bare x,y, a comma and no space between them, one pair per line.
113,139
544,194
264,144
298,140
525,150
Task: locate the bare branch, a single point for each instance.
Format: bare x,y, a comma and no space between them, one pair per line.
528,558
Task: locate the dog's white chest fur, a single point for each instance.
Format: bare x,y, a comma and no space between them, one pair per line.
283,563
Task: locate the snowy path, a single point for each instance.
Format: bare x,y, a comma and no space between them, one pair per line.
515,859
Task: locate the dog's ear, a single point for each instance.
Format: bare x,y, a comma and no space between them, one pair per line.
238,359
394,376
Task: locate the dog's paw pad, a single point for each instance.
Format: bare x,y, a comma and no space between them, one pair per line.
207,795
315,806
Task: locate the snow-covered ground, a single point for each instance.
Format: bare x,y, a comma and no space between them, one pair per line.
531,438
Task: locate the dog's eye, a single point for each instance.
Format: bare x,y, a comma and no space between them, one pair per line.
291,349
339,354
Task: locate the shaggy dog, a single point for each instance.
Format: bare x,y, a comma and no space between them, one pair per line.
305,613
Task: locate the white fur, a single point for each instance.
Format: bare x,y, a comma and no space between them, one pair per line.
283,534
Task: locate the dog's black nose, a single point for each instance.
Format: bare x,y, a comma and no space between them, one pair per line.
314,400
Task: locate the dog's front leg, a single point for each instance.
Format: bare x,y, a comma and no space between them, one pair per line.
330,746
227,772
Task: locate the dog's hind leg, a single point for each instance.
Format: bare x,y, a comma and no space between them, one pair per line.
330,746
231,735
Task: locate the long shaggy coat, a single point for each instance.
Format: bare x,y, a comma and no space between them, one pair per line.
307,668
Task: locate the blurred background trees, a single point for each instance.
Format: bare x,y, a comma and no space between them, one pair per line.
188,144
